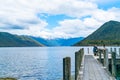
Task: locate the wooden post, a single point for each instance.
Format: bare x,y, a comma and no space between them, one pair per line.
67,68
80,57
78,61
82,51
106,64
76,65
114,64
99,51
88,50
119,51
115,50
110,49
104,55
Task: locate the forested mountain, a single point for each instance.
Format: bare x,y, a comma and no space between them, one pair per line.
10,40
108,34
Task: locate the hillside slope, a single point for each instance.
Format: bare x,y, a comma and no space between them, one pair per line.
9,40
108,34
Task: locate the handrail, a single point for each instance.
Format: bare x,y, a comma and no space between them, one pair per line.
67,65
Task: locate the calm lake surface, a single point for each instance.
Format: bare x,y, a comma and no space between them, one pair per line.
36,63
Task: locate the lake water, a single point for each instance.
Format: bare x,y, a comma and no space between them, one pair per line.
36,63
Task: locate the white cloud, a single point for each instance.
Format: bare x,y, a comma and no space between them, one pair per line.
75,28
75,8
92,23
23,14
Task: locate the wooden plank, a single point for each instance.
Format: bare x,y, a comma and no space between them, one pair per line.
93,70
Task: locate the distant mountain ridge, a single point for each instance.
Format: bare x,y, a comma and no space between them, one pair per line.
108,34
58,41
10,40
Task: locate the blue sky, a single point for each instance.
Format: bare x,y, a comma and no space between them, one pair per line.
56,18
53,20
106,4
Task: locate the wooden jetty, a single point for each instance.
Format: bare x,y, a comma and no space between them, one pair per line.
90,67
93,70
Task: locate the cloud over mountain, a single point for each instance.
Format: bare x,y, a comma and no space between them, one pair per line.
23,17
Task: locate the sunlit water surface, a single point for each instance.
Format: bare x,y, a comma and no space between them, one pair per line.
36,63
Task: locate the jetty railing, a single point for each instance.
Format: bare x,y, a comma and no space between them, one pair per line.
110,60
78,61
67,65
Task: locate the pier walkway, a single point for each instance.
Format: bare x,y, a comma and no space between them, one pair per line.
105,66
93,70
